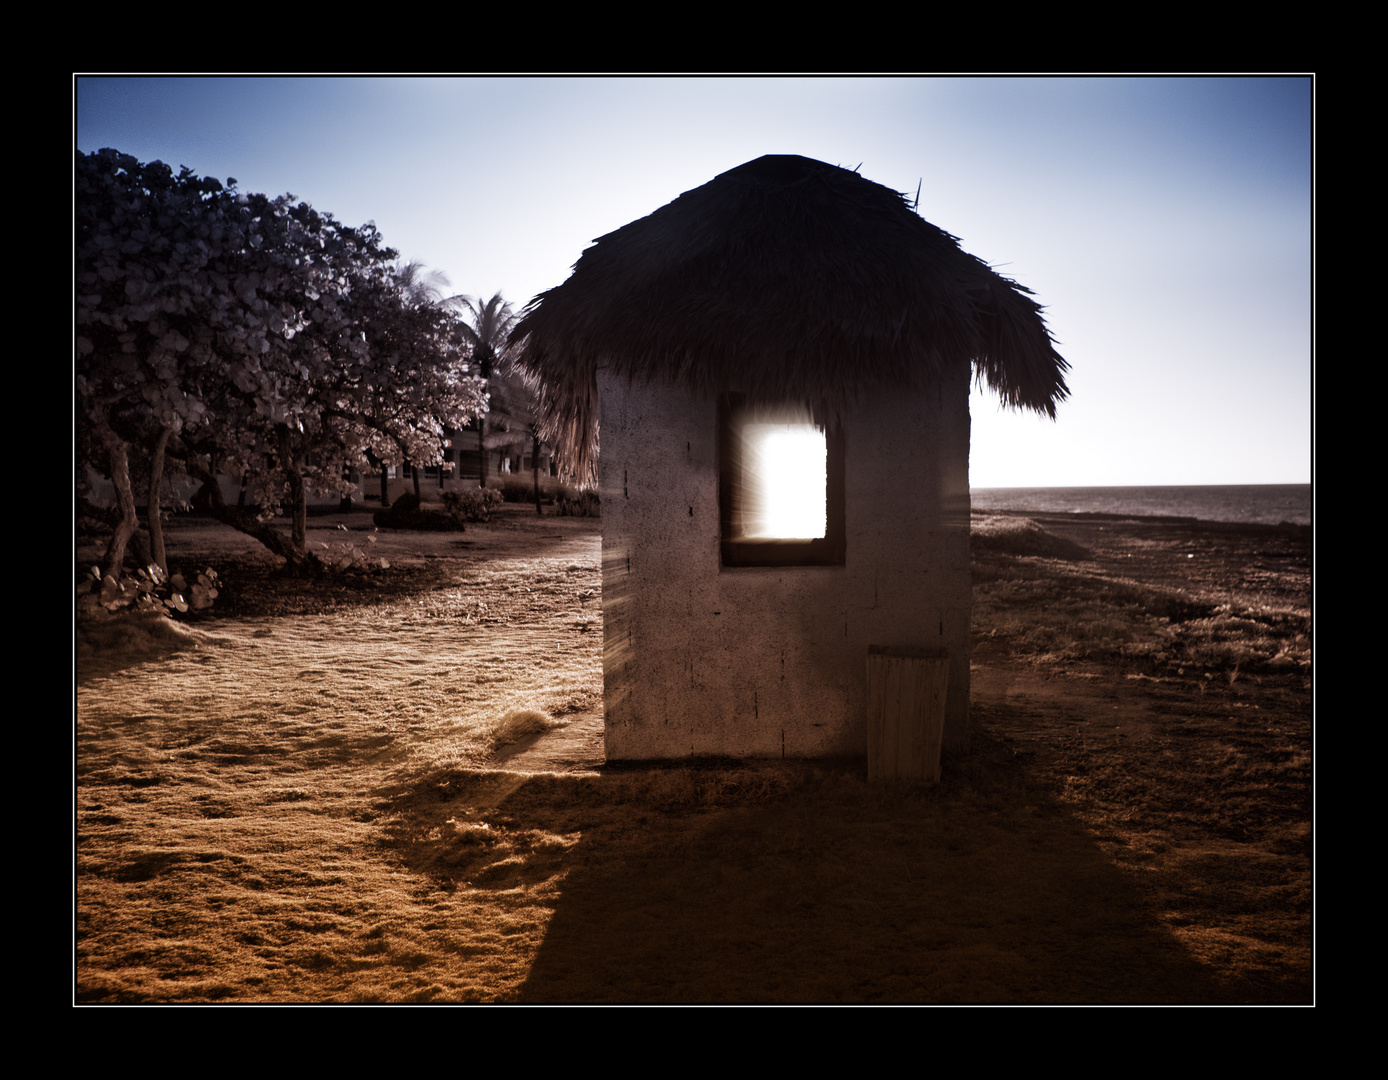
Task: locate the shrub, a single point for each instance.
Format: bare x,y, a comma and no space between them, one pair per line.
517,490
579,504
345,555
149,590
407,513
472,504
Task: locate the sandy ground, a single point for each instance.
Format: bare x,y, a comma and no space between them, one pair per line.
390,787
575,747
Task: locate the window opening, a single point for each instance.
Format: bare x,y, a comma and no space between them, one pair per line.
780,485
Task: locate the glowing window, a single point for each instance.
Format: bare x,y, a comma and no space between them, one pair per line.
780,486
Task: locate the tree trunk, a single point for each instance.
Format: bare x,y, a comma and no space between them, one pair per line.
298,512
298,563
156,522
481,453
385,486
535,466
298,500
414,475
118,457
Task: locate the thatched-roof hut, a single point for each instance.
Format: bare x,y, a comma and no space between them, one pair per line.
783,284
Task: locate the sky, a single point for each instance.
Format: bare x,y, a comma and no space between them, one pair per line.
1164,223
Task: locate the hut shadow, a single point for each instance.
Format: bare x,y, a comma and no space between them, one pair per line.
850,895
796,883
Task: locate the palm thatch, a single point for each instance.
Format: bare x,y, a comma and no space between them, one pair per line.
782,278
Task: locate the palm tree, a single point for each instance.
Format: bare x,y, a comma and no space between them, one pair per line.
513,409
489,324
421,286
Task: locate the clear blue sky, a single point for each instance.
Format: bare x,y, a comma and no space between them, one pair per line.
1165,223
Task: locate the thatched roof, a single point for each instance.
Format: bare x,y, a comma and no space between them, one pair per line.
782,278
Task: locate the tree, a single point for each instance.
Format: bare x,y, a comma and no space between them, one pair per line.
415,400
512,410
511,402
422,287
241,333
145,242
488,326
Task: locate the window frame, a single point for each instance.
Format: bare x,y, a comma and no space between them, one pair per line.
740,551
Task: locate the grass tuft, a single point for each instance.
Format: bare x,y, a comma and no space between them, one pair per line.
517,724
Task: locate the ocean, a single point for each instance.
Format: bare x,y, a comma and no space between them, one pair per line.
1268,504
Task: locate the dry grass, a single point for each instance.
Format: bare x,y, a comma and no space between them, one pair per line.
1134,595
1013,535
294,804
1163,688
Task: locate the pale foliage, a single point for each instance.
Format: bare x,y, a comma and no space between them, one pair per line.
268,338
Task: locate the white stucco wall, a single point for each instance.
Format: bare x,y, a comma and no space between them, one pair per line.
771,662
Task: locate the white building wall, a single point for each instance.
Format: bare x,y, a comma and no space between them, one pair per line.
772,661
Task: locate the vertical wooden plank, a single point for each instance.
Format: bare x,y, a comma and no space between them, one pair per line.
907,692
892,724
936,675
909,760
